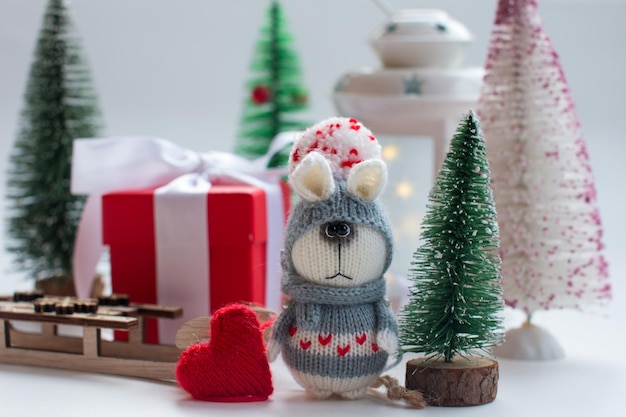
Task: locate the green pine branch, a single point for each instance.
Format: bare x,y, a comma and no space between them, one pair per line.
275,66
456,297
59,106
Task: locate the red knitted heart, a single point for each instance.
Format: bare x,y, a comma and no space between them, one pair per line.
232,367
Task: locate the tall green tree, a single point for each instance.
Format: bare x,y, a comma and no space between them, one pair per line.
456,297
60,105
275,90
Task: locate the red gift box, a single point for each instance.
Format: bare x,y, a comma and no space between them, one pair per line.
237,231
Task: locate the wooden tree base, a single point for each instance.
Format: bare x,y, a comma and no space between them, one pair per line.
462,382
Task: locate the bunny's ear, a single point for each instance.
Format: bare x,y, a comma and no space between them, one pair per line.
312,179
367,179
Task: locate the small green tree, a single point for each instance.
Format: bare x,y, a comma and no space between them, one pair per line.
455,298
60,105
274,92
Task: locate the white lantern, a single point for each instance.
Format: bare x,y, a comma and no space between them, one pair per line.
421,90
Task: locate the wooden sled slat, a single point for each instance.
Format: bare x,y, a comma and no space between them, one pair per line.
89,353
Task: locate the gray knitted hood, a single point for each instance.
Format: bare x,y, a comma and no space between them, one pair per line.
340,206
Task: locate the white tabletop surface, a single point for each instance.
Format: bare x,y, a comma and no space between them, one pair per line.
590,381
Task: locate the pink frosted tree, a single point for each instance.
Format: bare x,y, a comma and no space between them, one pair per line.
550,228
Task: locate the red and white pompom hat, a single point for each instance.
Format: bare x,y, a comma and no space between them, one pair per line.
342,141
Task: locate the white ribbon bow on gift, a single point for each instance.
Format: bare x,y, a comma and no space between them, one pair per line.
104,165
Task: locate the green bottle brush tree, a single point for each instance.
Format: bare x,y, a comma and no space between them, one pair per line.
60,105
275,91
453,316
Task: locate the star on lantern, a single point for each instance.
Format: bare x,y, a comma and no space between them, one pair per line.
412,85
391,27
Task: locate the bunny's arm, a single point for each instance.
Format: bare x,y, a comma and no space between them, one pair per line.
387,328
280,329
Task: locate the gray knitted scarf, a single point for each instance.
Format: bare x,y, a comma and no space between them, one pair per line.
308,300
304,292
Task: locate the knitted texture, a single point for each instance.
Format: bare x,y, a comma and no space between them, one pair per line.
337,331
335,344
232,367
361,262
341,206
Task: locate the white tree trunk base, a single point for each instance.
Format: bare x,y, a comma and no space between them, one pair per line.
530,342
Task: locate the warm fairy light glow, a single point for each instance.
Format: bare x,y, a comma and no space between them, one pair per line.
411,225
390,153
404,189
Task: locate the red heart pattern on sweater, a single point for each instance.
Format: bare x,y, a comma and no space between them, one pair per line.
305,344
343,350
232,366
293,330
324,340
361,339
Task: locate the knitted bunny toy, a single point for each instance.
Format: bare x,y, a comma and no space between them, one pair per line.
337,330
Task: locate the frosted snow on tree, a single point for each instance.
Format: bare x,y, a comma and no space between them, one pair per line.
551,233
60,105
456,297
274,92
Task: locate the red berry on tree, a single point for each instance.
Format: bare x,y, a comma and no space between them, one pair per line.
260,94
271,92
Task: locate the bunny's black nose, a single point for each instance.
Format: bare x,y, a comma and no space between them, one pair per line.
337,230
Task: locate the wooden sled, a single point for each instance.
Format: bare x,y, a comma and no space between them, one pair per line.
89,353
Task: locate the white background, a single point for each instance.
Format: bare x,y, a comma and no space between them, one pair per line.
176,69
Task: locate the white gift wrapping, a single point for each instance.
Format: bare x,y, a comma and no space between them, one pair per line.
109,164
